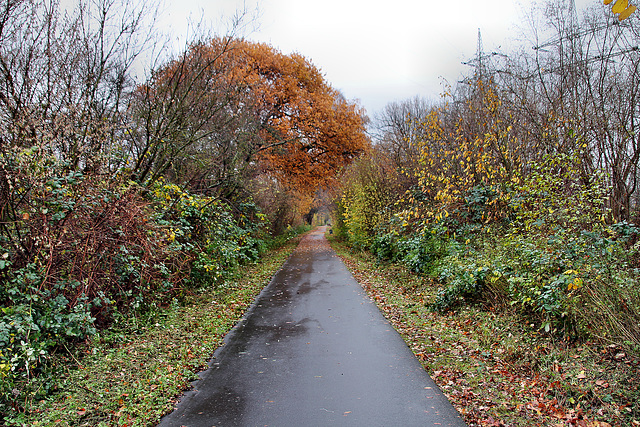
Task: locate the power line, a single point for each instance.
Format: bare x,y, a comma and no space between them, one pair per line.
480,60
576,34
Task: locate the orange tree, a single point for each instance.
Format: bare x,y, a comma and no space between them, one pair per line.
308,130
228,110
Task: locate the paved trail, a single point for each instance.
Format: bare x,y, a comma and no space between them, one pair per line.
314,351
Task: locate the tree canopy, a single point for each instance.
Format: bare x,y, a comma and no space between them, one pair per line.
235,105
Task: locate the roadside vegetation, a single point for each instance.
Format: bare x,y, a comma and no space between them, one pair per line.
136,182
495,367
514,201
134,372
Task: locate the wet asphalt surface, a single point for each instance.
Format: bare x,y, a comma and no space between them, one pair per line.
314,351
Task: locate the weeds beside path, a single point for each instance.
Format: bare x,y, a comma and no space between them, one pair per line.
496,370
134,376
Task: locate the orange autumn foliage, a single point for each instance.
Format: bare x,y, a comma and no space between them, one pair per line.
308,129
305,130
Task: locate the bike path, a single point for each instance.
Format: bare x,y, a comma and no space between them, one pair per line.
314,350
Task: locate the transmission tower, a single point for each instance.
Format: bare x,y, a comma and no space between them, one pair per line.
479,62
573,34
573,17
479,55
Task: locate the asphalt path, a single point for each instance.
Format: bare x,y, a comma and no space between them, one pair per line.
314,351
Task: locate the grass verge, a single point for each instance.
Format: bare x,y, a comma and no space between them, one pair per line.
495,368
134,375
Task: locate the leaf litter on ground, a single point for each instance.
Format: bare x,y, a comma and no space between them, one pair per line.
135,375
496,369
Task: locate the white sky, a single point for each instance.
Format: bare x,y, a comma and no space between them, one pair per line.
374,51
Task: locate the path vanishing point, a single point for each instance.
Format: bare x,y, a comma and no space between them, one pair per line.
314,350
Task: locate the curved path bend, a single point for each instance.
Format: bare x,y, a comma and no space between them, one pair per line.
314,351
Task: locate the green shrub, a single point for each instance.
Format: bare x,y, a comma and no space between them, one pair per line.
571,285
482,203
35,322
203,233
385,245
464,283
419,251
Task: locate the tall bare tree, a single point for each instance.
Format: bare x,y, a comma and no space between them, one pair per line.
65,73
396,129
577,92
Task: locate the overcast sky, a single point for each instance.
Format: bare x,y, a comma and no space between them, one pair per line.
374,51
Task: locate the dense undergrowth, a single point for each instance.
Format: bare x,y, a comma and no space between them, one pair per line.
134,372
85,253
543,240
496,366
520,295
569,280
